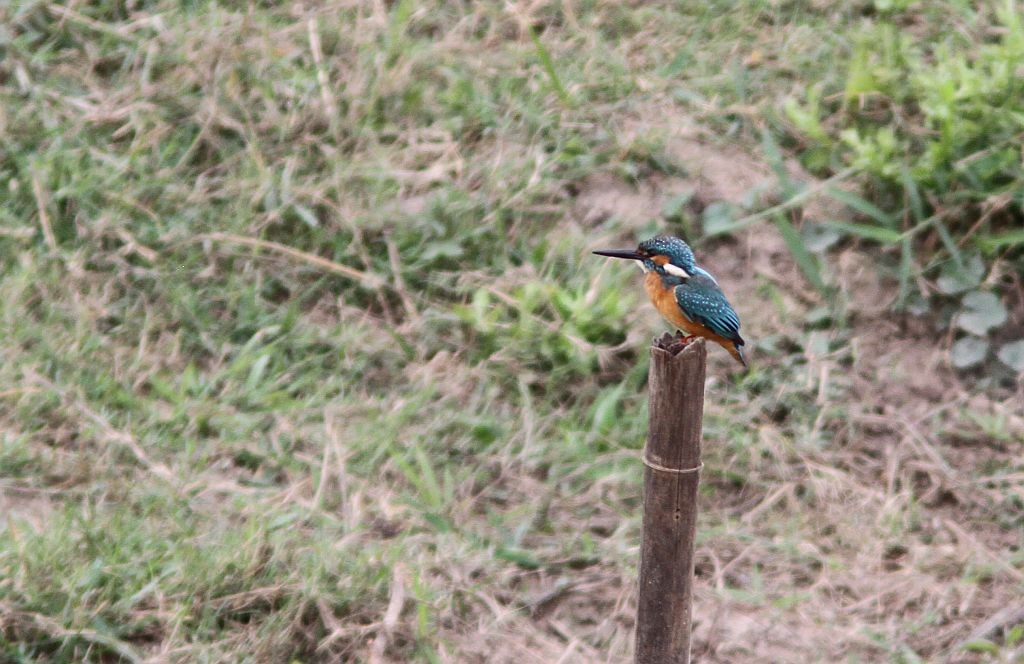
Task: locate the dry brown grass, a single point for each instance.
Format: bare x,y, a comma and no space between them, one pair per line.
304,358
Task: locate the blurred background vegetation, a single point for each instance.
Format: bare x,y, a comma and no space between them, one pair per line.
305,357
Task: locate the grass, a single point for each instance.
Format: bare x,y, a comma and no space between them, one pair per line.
305,357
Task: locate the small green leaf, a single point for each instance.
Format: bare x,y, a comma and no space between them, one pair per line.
804,259
306,215
954,280
981,645
777,163
440,524
918,305
861,205
675,207
948,241
1012,355
908,656
968,352
259,367
716,217
819,316
688,96
913,195
549,67
866,231
982,312
517,556
991,243
817,343
819,237
679,63
606,407
435,250
906,265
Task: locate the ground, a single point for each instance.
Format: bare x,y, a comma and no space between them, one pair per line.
306,358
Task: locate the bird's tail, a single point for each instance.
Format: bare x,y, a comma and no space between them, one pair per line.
737,352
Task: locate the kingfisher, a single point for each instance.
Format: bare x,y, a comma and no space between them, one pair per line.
685,293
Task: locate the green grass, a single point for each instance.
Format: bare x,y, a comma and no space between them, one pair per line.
305,358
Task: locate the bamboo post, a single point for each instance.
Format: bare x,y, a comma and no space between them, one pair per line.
671,475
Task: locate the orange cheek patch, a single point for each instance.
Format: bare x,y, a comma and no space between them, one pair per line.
660,260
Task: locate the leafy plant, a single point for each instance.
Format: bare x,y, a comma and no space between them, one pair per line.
937,130
980,313
934,128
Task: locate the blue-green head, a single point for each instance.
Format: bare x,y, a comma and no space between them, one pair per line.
669,256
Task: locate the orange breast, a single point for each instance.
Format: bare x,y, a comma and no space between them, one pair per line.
664,300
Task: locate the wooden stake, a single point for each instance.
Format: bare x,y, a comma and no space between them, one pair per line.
671,475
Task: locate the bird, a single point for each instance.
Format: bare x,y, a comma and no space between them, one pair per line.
685,293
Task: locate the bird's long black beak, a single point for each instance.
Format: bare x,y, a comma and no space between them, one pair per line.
630,254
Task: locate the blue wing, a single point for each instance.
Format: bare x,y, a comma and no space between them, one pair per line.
702,301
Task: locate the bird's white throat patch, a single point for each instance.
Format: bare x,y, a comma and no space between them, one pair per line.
676,271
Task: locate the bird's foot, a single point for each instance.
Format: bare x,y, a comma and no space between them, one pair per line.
674,343
684,338
677,342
